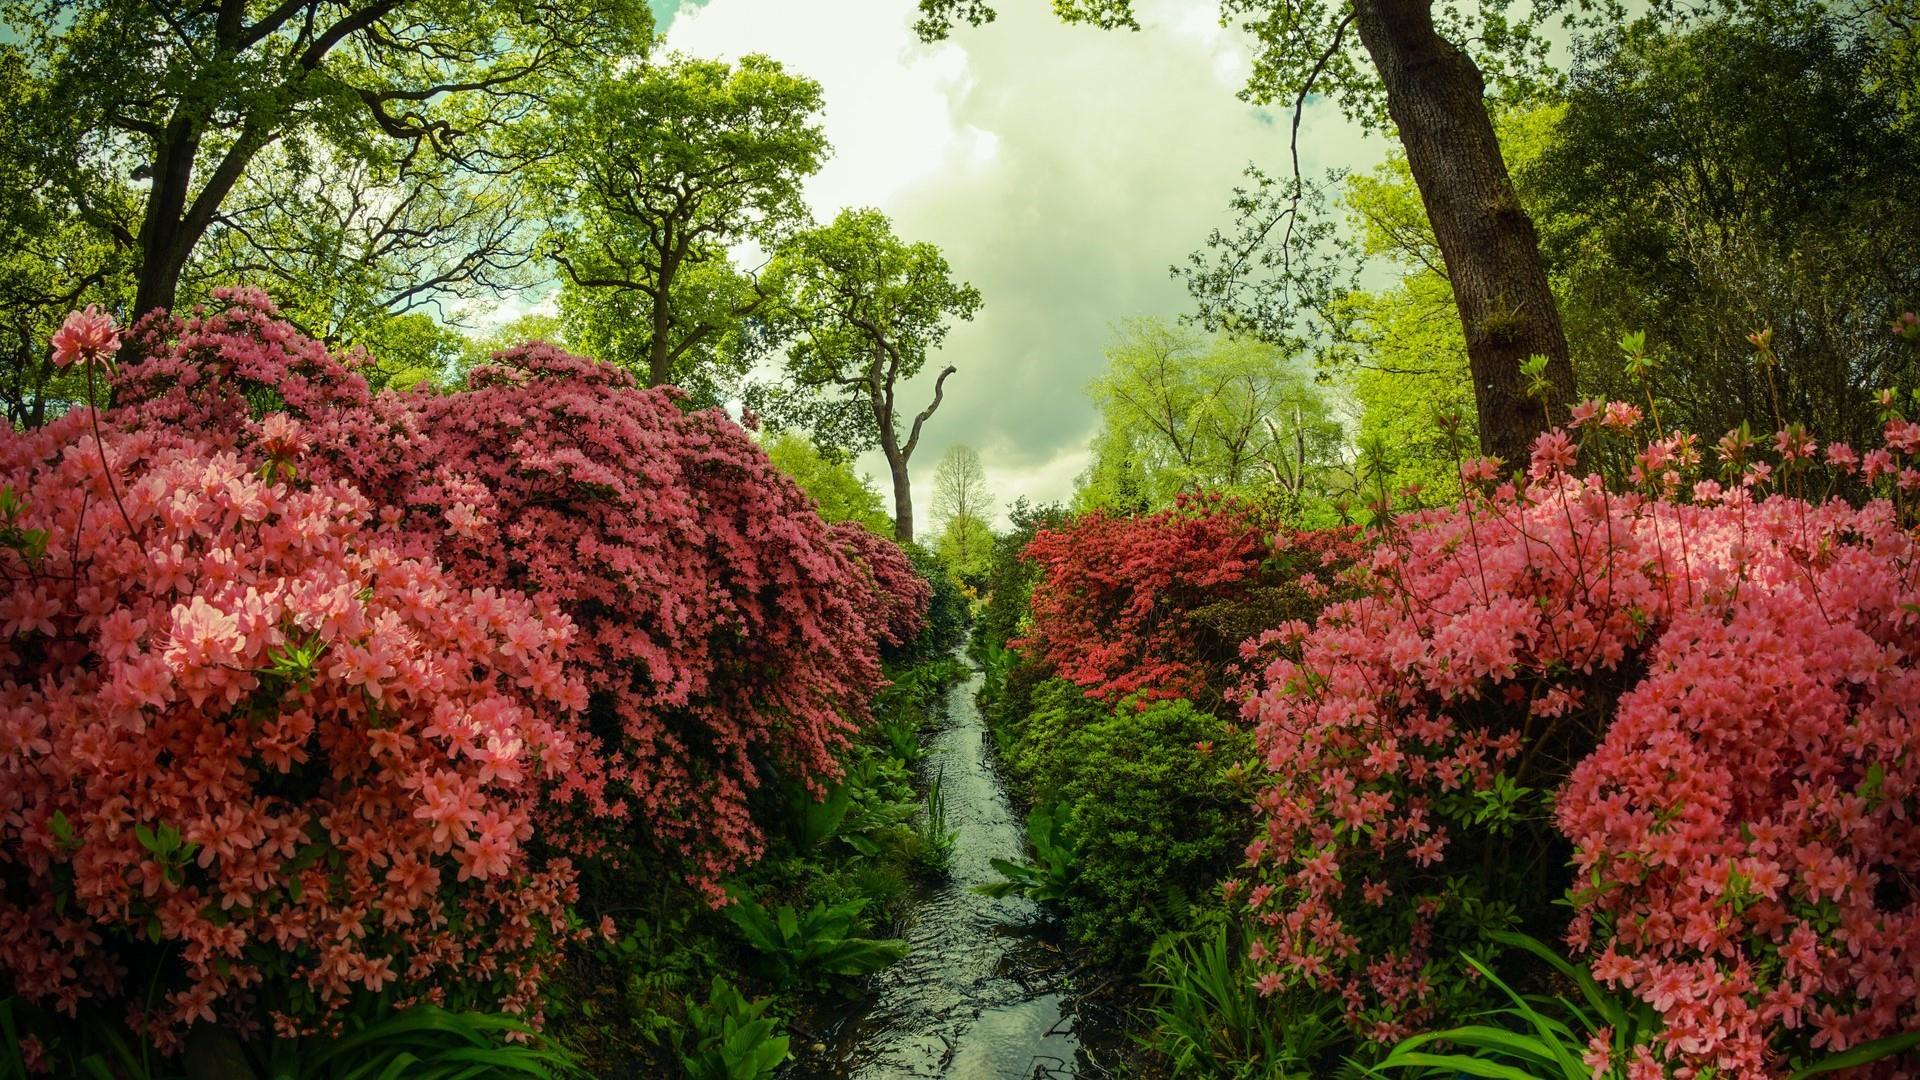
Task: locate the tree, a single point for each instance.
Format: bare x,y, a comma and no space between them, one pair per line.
962,506
662,170
1186,411
960,486
839,494
1412,59
1701,186
368,248
863,309
187,96
52,257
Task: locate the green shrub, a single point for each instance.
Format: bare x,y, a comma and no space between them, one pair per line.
946,624
1153,802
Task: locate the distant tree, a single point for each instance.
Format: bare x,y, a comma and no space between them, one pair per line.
962,504
960,486
1185,411
862,310
839,493
661,171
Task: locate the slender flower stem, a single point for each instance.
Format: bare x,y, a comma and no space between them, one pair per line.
100,444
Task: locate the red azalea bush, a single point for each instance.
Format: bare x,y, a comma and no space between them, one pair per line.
721,627
1744,831
254,761
1153,604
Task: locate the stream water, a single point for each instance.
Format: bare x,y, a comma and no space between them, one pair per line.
983,994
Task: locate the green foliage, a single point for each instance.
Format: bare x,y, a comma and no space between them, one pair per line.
661,169
1210,1021
1049,878
936,840
1549,1036
730,1038
863,309
177,130
1154,799
377,1042
1535,1035
1183,411
839,493
1009,587
815,947
1739,174
947,613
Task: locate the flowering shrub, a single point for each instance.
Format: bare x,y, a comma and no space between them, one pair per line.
900,594
253,761
720,626
1744,663
1152,604
303,689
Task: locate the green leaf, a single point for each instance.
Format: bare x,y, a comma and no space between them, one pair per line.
1864,1054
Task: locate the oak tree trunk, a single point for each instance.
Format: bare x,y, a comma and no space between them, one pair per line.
1436,97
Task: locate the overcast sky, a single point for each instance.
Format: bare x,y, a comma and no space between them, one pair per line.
1061,169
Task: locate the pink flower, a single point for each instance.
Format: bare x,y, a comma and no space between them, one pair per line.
86,337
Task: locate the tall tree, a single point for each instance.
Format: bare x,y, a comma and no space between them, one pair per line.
1410,56
863,309
186,96
664,169
1702,185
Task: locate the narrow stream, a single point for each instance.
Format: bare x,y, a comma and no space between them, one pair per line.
981,995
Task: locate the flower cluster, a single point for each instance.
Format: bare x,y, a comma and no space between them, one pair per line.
1154,604
253,760
304,689
900,593
1733,673
720,626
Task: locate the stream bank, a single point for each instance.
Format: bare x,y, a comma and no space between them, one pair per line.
986,992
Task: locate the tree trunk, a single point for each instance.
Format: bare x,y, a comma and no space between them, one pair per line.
163,247
902,499
1435,95
659,349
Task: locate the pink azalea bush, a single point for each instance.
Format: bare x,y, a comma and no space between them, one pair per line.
257,737
309,693
900,594
721,628
1710,689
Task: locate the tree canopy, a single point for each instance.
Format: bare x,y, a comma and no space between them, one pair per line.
1183,411
863,310
661,170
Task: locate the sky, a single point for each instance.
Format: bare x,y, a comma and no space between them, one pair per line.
1061,169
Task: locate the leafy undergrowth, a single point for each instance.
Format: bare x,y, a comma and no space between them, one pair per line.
686,986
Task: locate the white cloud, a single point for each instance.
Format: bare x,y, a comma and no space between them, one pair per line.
1061,168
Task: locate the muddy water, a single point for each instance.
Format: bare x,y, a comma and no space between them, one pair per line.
982,995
